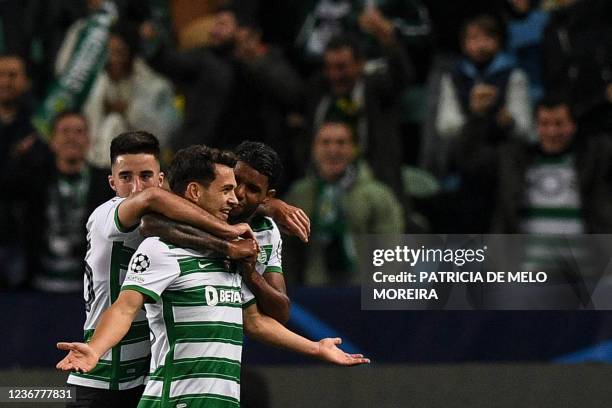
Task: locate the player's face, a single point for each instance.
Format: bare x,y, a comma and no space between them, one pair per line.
219,198
251,191
479,45
13,79
333,150
342,70
132,173
70,139
556,128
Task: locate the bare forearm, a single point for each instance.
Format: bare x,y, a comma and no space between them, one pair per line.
113,326
270,300
181,235
267,330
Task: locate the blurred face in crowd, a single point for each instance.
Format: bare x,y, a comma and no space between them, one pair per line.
223,29
342,70
70,139
93,5
252,190
520,6
333,150
478,45
13,79
133,173
119,63
556,128
218,197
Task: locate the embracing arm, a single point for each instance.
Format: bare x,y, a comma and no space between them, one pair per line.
270,292
292,220
156,199
265,329
114,325
183,235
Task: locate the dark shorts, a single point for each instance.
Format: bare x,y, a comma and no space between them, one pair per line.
87,397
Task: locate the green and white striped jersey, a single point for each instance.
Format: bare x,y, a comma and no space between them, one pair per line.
110,247
194,309
270,245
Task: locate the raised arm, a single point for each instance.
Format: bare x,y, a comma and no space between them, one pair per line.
114,325
156,199
265,329
186,236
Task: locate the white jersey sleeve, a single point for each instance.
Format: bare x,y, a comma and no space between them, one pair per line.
114,229
248,298
152,269
275,261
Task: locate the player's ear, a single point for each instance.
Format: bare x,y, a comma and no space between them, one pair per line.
162,178
192,192
111,182
271,193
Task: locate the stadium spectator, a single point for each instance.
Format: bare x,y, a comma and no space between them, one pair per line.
368,101
60,189
484,85
15,126
343,199
236,88
577,58
560,185
526,24
127,96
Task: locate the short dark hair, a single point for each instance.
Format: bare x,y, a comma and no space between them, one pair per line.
64,114
262,158
346,40
346,125
136,142
128,33
554,100
491,25
196,163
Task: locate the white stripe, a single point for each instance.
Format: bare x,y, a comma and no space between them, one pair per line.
154,388
184,314
132,383
135,350
87,382
552,226
208,349
205,386
196,279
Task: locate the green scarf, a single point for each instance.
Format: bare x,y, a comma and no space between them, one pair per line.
330,226
71,89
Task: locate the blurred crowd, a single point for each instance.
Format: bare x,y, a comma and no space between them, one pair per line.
391,116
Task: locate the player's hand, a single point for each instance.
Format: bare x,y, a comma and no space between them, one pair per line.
239,230
372,21
329,351
292,220
243,248
81,357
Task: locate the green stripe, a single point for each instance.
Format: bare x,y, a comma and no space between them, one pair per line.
127,370
192,401
211,331
274,269
148,293
259,224
565,213
120,226
196,296
201,368
169,360
249,303
193,265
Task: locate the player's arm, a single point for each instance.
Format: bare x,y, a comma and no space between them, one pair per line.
265,329
114,325
292,220
156,199
270,291
186,236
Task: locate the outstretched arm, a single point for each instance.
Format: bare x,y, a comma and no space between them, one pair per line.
264,328
114,325
186,236
156,199
292,220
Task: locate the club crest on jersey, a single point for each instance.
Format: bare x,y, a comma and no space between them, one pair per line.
140,263
262,258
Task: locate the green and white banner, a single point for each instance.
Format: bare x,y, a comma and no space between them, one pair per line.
71,89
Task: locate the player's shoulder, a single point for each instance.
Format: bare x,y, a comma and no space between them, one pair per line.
260,223
105,211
